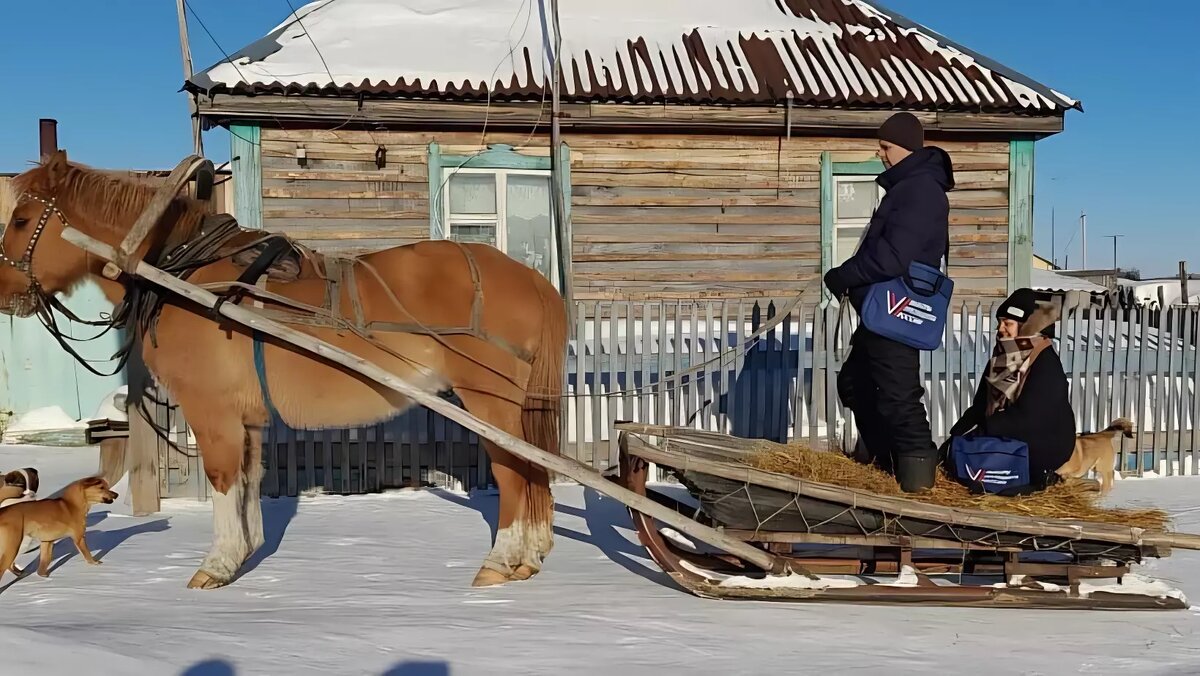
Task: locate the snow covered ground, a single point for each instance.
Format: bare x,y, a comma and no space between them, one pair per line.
380,585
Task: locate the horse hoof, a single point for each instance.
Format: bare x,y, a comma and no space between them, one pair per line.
524,572
486,577
203,580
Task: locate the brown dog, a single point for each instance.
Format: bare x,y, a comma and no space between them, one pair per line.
1097,450
50,520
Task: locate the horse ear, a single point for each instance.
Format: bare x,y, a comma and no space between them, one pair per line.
56,168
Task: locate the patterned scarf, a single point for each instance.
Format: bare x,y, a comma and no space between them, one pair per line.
1009,367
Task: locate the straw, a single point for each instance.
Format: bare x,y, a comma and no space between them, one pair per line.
1065,500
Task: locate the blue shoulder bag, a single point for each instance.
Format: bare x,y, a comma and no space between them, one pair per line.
910,309
990,464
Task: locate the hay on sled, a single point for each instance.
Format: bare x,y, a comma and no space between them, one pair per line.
1065,500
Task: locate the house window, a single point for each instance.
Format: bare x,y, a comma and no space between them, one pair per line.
498,197
506,208
855,198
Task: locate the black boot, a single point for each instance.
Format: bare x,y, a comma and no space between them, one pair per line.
915,472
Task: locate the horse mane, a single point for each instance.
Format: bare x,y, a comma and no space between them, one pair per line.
114,199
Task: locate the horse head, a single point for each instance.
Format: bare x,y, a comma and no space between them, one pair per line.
33,255
35,261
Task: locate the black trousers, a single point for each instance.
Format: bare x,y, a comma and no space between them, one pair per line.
881,383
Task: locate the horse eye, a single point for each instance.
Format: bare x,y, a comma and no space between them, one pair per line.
19,223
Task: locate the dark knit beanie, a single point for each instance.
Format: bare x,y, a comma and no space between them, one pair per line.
904,130
1020,305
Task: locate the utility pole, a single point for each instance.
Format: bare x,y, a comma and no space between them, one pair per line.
1083,232
561,226
1053,251
1114,239
1183,281
185,47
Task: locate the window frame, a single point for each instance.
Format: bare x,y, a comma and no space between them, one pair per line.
500,217
504,158
840,223
831,171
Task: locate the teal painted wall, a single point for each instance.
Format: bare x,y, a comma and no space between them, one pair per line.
35,371
1020,214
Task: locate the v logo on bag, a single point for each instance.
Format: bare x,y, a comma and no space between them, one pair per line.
896,305
991,476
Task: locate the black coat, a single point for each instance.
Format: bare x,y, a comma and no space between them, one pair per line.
1041,417
912,223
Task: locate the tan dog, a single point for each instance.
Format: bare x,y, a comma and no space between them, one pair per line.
50,520
1097,450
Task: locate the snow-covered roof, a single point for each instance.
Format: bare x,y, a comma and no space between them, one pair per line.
825,52
1049,280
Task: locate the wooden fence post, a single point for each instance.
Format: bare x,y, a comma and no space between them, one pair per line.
142,461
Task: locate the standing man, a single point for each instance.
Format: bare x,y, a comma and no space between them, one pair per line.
880,380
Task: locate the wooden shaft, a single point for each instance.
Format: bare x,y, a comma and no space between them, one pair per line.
562,465
157,207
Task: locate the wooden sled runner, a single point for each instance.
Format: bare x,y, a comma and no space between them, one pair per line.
845,545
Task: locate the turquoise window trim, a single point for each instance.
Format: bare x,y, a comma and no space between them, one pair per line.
436,231
499,156
865,168
1020,214
245,155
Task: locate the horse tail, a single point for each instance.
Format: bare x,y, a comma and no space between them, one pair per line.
541,413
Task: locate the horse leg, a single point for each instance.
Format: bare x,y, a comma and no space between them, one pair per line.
222,441
252,471
524,533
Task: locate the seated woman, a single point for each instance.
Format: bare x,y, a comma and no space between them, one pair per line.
1023,395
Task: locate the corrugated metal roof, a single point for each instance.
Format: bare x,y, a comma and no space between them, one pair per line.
1048,280
825,52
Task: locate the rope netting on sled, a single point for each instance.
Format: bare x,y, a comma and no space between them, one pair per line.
1065,500
748,507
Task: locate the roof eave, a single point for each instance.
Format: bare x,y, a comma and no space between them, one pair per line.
905,22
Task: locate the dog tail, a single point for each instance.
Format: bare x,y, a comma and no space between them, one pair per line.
1123,425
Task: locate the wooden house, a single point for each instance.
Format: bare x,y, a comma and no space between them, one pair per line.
715,154
712,149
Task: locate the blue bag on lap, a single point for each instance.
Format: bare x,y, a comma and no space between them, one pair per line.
990,464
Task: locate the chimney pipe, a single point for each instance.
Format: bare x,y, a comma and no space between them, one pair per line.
47,137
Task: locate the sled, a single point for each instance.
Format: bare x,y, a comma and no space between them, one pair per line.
853,546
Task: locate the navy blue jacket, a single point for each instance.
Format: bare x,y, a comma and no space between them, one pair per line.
911,224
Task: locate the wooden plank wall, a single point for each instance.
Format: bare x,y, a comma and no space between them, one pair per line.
654,216
341,202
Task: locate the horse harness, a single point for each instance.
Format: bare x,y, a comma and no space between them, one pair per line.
277,257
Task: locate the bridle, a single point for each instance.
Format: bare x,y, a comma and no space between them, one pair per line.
24,264
43,304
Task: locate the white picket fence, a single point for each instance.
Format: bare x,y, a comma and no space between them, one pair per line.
1140,364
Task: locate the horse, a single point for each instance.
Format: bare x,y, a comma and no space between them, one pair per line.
449,317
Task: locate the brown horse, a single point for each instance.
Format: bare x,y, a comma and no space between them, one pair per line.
507,371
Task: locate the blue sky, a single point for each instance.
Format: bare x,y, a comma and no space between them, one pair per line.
110,73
